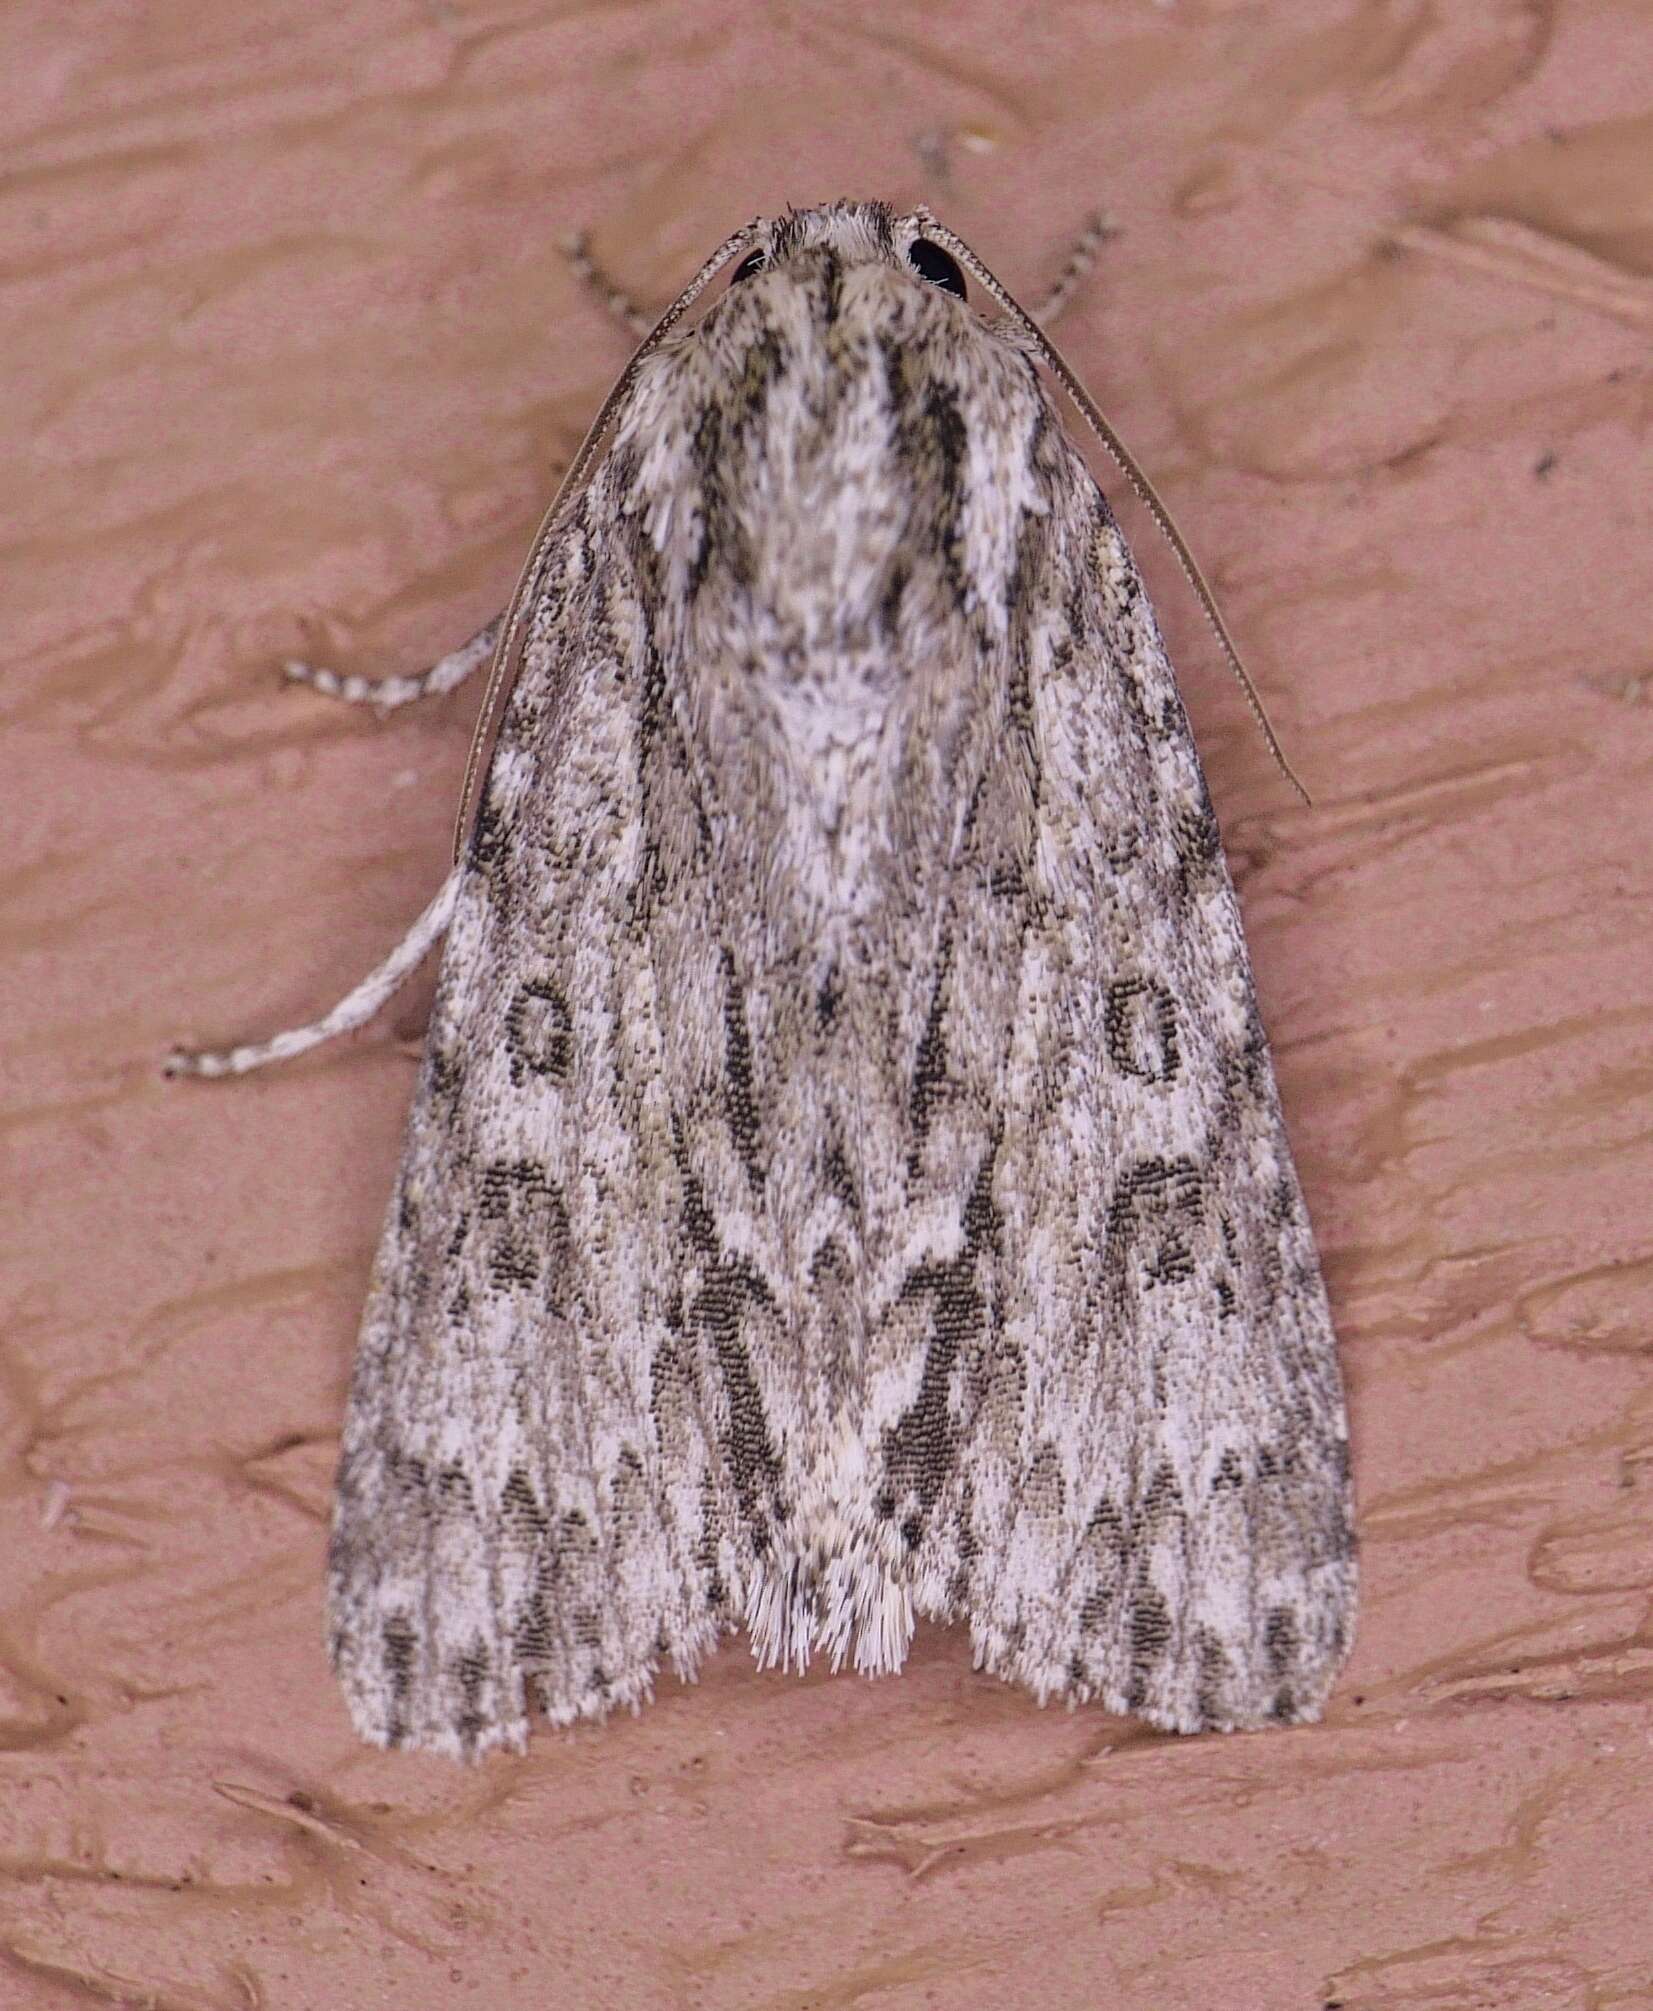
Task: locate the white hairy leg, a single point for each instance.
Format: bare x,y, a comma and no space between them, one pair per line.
352,1011
446,674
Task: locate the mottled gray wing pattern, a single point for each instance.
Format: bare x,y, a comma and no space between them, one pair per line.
846,1182
557,1458
1126,1461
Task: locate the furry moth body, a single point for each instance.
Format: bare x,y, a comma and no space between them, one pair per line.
846,1181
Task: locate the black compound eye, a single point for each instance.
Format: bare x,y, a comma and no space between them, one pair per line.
754,261
940,268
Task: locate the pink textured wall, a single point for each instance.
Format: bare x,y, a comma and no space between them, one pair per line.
291,363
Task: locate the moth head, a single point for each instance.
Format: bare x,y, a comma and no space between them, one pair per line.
838,235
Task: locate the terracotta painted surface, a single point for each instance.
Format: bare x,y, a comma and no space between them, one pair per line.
291,363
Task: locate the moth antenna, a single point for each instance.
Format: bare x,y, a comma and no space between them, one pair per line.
508,650
1127,464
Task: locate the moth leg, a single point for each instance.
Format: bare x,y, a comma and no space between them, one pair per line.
352,1011
1075,267
615,299
446,674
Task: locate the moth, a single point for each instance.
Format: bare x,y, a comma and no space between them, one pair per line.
846,1182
